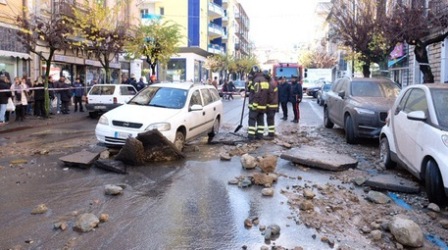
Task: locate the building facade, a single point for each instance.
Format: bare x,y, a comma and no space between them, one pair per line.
14,58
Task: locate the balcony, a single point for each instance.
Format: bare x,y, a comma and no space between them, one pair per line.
149,1
225,20
216,49
215,31
225,4
225,37
148,18
215,11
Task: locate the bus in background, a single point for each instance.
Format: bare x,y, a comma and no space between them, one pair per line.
287,70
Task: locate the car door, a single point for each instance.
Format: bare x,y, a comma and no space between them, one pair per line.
209,107
339,102
126,93
332,99
195,119
408,133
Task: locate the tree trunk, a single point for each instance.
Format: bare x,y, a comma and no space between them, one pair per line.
421,55
366,69
107,69
47,76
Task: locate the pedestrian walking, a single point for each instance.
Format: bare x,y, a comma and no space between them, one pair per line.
284,89
231,89
4,96
78,93
295,98
215,82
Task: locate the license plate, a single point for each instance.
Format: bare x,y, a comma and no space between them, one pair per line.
100,107
122,135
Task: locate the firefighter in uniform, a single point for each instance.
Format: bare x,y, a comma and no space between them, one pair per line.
272,108
258,97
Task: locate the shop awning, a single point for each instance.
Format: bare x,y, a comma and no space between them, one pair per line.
391,63
6,53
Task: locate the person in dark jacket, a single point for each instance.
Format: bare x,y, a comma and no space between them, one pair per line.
39,98
4,96
66,96
258,100
295,98
78,92
284,89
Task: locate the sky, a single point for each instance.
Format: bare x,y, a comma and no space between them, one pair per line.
280,24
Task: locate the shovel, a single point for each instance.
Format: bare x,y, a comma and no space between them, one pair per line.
242,115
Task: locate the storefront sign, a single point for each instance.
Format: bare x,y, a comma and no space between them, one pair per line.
68,59
98,64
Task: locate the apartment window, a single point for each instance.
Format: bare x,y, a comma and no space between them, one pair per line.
144,12
162,11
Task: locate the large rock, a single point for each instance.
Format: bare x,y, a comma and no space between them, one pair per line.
319,158
406,232
378,197
86,222
40,209
113,189
268,163
272,232
157,148
248,161
264,179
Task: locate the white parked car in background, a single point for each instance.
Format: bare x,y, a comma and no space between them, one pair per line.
416,136
180,111
104,97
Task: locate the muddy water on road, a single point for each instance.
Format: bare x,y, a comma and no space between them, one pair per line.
180,205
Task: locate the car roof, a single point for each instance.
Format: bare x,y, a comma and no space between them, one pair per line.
111,84
373,79
430,85
181,85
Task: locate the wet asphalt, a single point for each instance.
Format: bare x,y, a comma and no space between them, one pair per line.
185,204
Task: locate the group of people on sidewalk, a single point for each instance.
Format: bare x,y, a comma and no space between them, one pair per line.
23,98
264,98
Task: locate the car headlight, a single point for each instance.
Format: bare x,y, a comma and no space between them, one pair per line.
161,126
103,120
445,140
364,111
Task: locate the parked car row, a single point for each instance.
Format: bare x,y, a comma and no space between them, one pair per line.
411,124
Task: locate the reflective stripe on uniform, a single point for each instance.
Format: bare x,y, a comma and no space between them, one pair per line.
271,129
260,129
251,130
272,105
264,85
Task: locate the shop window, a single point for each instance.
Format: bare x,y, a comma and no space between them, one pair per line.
176,70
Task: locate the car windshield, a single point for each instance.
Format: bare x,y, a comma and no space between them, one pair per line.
440,99
375,89
162,97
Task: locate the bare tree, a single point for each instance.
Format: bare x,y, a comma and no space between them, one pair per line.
420,26
43,33
358,25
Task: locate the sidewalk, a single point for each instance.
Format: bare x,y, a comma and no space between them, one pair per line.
36,122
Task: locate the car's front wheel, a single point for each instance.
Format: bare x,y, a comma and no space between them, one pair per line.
327,122
434,184
349,128
179,141
215,130
385,158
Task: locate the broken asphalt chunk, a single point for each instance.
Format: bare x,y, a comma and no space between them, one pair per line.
81,159
318,158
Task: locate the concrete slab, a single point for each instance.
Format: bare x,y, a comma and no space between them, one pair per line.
111,165
393,183
317,157
81,159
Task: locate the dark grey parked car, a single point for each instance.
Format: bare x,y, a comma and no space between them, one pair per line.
360,106
322,93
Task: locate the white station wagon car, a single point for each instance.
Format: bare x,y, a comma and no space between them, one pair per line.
416,136
180,111
104,97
